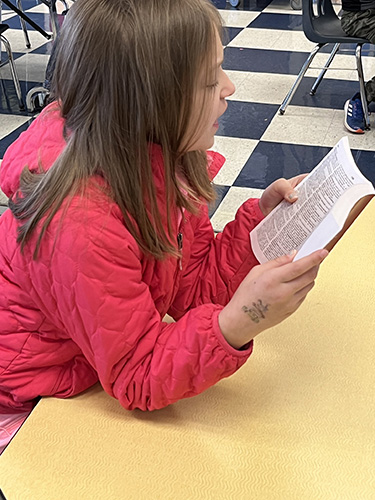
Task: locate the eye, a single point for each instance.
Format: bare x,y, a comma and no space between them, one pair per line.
213,85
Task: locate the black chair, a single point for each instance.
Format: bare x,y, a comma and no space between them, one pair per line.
24,18
323,26
3,28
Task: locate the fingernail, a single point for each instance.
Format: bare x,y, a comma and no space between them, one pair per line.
293,253
292,196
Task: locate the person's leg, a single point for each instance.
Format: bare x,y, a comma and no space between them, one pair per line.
51,65
370,90
359,24
38,97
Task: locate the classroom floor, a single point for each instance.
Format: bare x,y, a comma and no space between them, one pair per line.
265,50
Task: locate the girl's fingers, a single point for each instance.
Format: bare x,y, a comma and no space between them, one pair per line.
304,280
302,293
293,270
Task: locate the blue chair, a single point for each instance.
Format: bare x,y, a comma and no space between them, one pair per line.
322,26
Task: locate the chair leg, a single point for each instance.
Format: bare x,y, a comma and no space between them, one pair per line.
23,26
55,24
314,88
65,5
301,74
13,71
362,90
54,17
36,98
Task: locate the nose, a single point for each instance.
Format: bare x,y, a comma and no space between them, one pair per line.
228,87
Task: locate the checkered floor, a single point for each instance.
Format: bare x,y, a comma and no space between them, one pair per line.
266,49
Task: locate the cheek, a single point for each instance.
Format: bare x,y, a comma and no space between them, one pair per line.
210,111
214,112
204,115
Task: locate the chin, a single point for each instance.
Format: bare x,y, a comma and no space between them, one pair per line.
210,143
203,145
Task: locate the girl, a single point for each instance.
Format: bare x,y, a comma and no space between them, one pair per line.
108,228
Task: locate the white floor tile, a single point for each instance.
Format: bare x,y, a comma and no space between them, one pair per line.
236,151
281,7
41,9
272,39
9,122
237,77
5,14
315,127
60,7
261,87
238,18
17,40
3,198
231,203
30,67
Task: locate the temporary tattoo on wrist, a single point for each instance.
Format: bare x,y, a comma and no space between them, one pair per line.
257,311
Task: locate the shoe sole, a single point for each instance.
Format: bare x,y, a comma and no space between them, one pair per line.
347,126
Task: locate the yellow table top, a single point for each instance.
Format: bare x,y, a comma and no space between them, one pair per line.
296,422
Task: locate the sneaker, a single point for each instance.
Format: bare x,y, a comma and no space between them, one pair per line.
354,119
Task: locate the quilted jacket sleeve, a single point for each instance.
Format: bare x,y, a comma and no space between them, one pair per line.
108,311
216,266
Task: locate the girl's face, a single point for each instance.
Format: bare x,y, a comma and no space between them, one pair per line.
209,103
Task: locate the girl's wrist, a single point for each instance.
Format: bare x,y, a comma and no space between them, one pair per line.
237,336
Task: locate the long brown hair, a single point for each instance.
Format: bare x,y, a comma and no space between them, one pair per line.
126,73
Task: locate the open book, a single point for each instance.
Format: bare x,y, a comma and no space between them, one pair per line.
329,199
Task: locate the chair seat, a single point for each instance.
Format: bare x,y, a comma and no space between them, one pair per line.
328,29
321,24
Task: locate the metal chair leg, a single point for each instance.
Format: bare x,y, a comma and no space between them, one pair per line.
51,4
54,18
301,74
13,72
362,89
36,98
314,88
23,26
65,5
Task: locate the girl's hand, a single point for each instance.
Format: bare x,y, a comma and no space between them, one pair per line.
282,189
269,294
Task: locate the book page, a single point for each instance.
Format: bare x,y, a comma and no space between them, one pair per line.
325,199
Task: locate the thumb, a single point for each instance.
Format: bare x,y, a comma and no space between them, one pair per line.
286,190
291,196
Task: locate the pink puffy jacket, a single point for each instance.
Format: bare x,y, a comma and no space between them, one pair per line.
91,307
